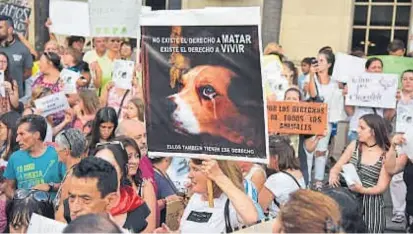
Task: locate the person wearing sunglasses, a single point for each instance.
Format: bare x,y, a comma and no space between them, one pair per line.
24,203
70,147
35,165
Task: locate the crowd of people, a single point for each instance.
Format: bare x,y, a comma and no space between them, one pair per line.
87,166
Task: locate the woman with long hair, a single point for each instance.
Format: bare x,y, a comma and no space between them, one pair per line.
367,154
86,108
8,134
104,126
9,100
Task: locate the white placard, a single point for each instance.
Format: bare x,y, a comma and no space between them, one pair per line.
2,88
111,18
41,224
407,148
70,17
52,103
350,174
404,115
277,87
123,74
372,90
347,66
69,79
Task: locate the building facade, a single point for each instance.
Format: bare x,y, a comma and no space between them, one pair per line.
304,26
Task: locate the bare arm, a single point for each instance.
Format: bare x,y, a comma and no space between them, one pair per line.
392,164
149,197
258,178
345,158
105,94
311,143
28,45
10,188
265,198
389,114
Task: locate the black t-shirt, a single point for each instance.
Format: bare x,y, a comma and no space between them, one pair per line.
135,220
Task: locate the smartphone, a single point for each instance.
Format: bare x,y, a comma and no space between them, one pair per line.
314,61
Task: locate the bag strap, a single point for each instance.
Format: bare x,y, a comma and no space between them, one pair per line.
121,102
295,180
228,228
374,110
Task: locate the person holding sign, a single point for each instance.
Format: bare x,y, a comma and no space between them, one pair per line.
367,154
232,207
9,91
373,65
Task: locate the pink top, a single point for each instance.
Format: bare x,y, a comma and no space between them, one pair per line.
78,124
115,100
3,216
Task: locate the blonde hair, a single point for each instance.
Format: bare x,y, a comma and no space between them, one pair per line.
90,101
38,92
231,169
311,212
138,103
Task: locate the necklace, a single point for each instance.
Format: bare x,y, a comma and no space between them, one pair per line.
370,146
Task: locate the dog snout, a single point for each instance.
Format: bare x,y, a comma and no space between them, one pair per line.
171,105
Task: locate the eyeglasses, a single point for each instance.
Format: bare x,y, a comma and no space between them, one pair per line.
116,40
3,61
67,139
102,144
38,195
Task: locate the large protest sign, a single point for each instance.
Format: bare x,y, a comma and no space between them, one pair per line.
347,66
123,74
19,14
99,18
404,120
52,103
69,17
202,76
118,18
297,118
372,90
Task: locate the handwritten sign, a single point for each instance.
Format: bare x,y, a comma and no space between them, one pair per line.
123,74
69,79
276,88
347,66
19,14
41,224
52,103
404,117
69,17
372,90
297,117
118,18
174,211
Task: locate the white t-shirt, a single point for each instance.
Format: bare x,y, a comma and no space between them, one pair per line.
199,218
360,112
281,186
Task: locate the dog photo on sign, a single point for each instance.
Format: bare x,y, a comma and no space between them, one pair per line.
203,95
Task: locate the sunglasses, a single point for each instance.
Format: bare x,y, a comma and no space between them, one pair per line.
115,40
38,195
67,139
110,143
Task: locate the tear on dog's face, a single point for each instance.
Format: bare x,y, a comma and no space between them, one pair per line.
204,105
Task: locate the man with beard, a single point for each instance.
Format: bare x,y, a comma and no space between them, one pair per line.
20,59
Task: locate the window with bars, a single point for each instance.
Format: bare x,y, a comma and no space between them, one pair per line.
377,22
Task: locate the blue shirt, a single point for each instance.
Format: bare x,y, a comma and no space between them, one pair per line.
29,171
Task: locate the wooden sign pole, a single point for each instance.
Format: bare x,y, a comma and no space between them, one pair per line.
210,194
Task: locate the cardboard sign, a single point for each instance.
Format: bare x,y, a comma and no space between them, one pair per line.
69,79
109,18
123,74
297,118
52,103
69,17
372,90
19,14
41,224
404,116
174,211
347,66
203,84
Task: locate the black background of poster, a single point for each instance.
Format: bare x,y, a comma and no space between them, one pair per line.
156,77
19,14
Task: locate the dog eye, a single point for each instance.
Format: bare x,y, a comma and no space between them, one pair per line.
208,92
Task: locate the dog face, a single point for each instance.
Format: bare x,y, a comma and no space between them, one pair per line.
204,106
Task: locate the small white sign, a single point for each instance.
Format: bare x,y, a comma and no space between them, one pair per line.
404,115
70,17
69,79
277,87
350,174
41,224
2,88
347,66
372,90
123,74
52,103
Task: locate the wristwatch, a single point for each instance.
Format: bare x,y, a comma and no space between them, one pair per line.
51,186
